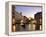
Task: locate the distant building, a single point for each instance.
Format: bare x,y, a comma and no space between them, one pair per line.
38,18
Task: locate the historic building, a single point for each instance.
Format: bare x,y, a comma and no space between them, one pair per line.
20,22
38,18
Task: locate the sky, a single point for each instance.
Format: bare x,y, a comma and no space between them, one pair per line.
28,11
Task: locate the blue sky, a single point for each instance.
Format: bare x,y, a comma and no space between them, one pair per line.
28,11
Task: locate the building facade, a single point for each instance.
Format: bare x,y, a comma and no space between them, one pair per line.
38,18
